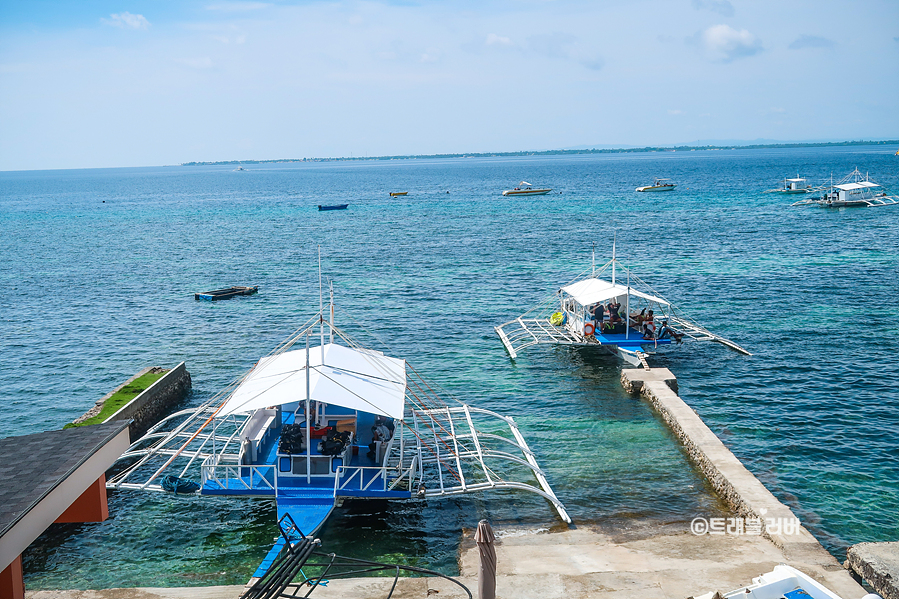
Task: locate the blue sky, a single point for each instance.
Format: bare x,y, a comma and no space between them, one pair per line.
102,84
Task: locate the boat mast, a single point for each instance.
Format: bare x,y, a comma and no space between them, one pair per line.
627,306
613,258
331,322
308,427
321,305
593,258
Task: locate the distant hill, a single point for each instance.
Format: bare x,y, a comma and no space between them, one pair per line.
695,146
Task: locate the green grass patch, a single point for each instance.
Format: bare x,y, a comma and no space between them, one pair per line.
122,397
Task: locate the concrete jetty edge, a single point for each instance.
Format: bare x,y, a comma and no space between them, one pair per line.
878,564
744,494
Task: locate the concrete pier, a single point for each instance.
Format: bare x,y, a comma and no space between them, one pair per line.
746,496
878,564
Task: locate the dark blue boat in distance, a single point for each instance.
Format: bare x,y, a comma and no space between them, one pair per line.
334,207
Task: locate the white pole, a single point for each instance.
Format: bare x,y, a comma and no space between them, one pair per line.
613,259
308,426
627,307
321,305
331,322
593,258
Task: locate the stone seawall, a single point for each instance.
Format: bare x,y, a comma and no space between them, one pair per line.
746,496
148,407
156,401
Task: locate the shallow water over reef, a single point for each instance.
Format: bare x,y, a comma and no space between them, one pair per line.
99,268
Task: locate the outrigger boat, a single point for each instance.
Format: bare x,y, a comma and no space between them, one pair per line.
526,189
659,185
853,190
567,318
796,185
312,425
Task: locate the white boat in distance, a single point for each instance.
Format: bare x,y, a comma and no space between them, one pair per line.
577,315
526,189
797,185
853,190
659,185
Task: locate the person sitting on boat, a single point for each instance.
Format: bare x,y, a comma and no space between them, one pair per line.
665,331
637,318
649,327
613,308
599,315
380,432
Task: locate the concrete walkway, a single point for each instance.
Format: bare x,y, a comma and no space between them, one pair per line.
646,560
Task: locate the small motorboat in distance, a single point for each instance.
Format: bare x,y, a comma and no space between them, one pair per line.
334,207
394,194
526,189
659,185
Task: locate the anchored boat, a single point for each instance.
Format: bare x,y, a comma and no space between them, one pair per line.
853,190
659,185
796,185
620,315
526,189
311,425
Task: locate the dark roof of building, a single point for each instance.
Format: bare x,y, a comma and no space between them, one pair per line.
33,465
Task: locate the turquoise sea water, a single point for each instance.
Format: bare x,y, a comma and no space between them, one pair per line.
98,270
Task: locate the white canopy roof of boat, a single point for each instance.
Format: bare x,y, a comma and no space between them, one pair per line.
859,185
363,380
592,291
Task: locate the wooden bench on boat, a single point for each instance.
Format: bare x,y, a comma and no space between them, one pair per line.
220,294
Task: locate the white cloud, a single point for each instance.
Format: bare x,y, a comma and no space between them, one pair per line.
811,41
675,111
238,6
722,7
126,20
726,44
203,62
496,40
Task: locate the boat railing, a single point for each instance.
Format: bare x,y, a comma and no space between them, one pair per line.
381,481
252,477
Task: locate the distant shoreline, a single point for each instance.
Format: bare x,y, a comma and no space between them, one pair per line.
647,149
